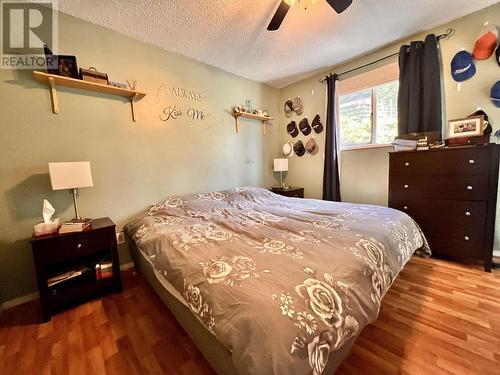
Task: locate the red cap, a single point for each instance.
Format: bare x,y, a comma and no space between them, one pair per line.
485,44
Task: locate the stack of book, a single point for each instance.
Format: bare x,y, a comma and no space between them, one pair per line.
103,270
422,144
75,226
404,145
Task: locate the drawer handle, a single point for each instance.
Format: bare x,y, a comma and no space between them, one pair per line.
79,246
471,161
469,187
405,207
406,186
467,213
407,164
466,238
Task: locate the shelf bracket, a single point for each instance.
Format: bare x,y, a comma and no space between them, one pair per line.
263,127
132,101
237,125
53,94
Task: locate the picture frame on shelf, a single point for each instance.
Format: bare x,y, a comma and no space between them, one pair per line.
63,65
467,127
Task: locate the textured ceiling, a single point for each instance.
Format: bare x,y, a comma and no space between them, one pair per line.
231,34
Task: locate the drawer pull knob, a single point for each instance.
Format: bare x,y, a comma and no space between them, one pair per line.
407,164
405,207
466,238
467,213
406,186
79,246
469,187
471,161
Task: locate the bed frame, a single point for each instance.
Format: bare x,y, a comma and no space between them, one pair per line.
214,352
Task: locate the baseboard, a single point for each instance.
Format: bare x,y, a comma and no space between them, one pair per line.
496,253
19,301
32,296
126,266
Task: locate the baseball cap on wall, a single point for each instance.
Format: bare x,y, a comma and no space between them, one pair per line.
495,94
462,66
292,129
287,150
485,43
299,148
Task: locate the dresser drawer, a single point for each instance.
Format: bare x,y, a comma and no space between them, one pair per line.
449,162
453,228
74,245
457,245
472,187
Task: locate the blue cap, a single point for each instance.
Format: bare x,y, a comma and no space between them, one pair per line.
495,94
462,66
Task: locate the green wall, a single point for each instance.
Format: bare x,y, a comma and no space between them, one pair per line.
133,164
365,173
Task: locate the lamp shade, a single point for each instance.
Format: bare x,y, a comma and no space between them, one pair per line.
280,165
70,175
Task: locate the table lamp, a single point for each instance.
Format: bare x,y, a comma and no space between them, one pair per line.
71,176
281,165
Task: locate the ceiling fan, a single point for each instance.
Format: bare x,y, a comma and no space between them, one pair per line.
338,5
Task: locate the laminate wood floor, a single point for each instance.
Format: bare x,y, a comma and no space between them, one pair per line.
437,318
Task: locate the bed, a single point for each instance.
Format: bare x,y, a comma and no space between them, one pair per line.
267,284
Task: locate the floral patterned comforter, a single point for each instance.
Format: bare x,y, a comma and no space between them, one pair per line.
286,284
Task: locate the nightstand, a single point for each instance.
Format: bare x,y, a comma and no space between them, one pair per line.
75,253
290,192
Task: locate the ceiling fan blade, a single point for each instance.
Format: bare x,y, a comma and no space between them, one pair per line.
339,5
279,16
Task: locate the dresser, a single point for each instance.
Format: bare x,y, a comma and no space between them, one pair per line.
451,193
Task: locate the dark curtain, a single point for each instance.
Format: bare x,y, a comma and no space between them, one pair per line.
331,180
419,100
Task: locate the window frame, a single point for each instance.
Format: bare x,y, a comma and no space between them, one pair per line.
366,81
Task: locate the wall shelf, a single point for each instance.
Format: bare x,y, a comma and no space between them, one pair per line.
251,116
53,80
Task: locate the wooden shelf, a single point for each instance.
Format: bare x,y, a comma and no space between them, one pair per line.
54,79
251,116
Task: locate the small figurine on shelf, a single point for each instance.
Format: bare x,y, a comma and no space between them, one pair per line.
248,105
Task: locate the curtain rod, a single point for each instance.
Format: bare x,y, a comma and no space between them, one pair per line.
448,33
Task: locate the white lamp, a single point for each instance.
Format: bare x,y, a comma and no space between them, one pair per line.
71,176
281,165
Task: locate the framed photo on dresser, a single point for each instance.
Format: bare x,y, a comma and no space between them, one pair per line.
467,127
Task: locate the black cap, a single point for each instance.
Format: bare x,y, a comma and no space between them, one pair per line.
497,54
317,125
304,126
487,128
299,148
291,128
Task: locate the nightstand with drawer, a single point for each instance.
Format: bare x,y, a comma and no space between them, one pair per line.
71,254
294,192
451,193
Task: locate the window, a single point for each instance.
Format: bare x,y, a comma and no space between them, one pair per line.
369,116
367,107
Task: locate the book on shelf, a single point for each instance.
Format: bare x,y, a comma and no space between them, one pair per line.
65,276
75,226
103,270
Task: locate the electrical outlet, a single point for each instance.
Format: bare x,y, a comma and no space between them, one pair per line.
120,238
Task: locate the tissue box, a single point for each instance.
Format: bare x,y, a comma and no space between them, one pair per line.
44,229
